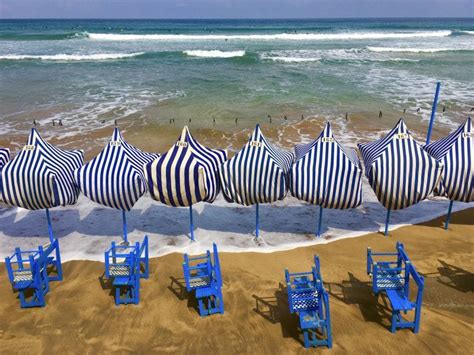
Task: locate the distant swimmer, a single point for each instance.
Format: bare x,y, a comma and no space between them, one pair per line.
214,121
286,118
60,122
380,114
347,116
404,110
236,120
34,123
270,118
418,109
103,121
302,117
444,108
190,120
472,109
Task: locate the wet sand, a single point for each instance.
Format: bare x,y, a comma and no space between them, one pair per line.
80,315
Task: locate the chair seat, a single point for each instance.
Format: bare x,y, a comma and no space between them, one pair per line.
23,285
22,275
304,300
123,281
399,301
206,292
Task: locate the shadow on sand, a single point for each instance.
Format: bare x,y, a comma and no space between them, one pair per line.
275,310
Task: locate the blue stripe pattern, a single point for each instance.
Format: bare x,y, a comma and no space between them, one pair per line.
256,174
456,153
186,174
326,174
399,170
4,157
115,177
40,176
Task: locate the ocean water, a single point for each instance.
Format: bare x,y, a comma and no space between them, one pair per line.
145,73
86,72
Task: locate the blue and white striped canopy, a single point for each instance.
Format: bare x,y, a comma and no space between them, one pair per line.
399,170
456,153
4,157
186,174
256,174
326,174
40,176
115,177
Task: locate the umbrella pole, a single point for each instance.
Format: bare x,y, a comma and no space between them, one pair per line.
124,220
448,217
50,227
318,233
191,223
256,222
433,113
387,221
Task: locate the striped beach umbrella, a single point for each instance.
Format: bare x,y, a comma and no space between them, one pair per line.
258,173
40,177
456,153
326,174
399,170
4,157
186,174
115,177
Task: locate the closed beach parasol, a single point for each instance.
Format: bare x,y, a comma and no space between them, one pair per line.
186,174
456,153
115,177
399,170
326,174
4,157
40,177
257,174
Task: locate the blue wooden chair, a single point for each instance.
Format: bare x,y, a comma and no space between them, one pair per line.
391,274
29,272
202,275
310,301
125,265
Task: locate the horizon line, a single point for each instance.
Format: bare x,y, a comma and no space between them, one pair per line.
239,18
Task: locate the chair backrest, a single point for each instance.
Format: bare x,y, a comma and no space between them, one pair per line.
217,265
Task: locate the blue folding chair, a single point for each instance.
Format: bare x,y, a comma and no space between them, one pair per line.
391,274
202,275
125,265
310,301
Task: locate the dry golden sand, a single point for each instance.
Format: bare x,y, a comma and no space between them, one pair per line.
80,315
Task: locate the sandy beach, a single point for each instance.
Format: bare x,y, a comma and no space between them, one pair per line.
80,315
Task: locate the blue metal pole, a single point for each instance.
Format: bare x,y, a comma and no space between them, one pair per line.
125,233
318,233
448,217
191,223
256,222
433,113
50,227
387,221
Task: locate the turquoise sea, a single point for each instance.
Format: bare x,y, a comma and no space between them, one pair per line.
88,71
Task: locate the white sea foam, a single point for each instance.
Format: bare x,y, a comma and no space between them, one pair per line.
290,59
412,50
70,57
468,32
269,37
214,53
353,54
